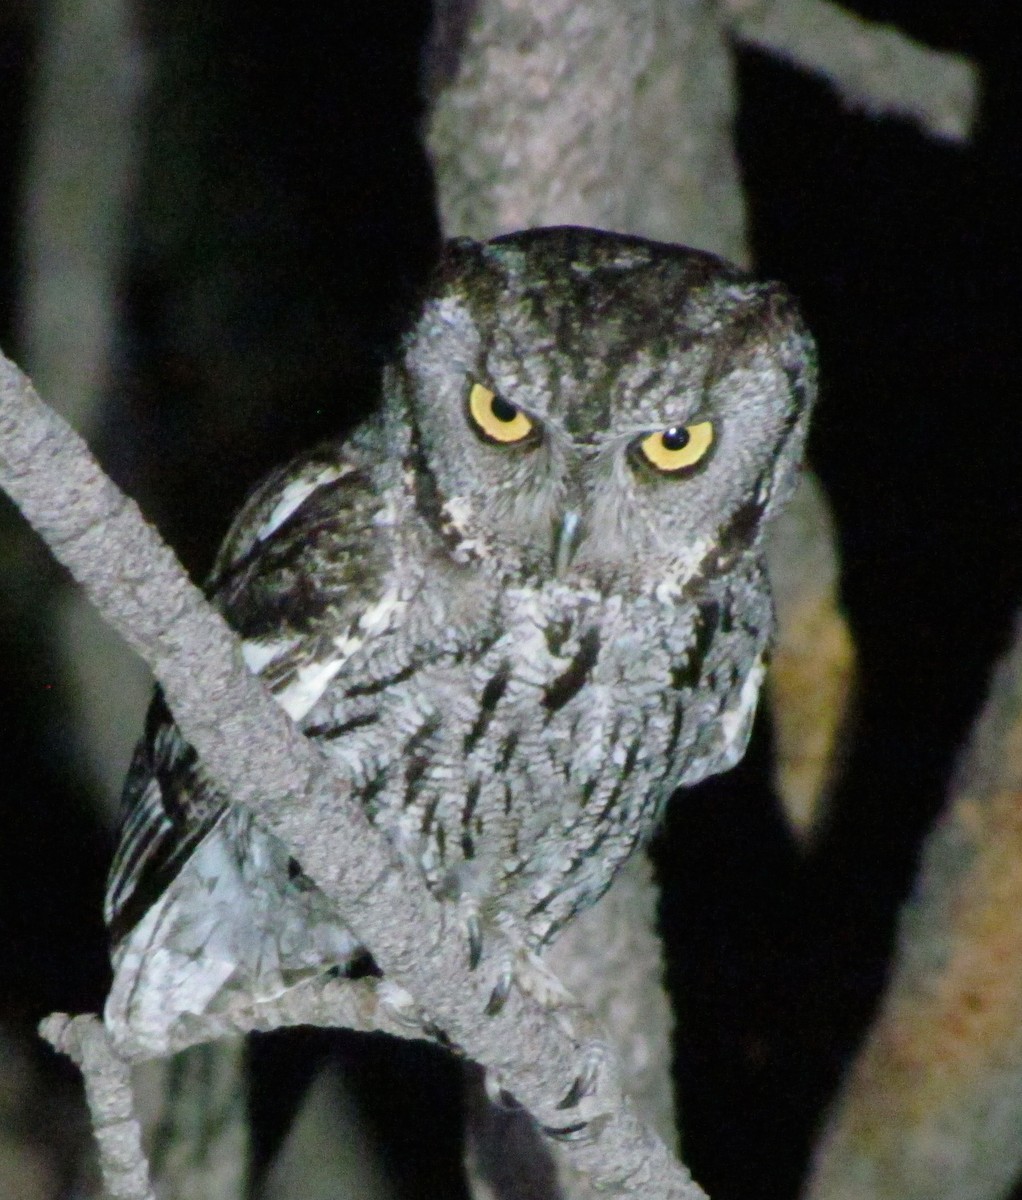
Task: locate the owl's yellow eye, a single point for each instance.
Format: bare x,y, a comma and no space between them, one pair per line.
677,448
495,418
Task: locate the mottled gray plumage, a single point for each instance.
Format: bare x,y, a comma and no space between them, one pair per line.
519,608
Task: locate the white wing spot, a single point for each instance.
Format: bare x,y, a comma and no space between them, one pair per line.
258,655
684,564
379,615
295,495
735,722
311,680
309,683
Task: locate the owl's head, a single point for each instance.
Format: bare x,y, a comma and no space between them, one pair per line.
582,401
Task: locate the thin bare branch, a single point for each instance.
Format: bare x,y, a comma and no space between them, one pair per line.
108,1090
874,67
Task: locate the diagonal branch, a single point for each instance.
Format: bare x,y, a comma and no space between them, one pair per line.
260,758
874,67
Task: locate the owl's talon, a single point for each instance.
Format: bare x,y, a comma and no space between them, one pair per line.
566,1133
507,1102
578,1091
399,1004
498,1095
475,942
436,1034
501,991
586,1081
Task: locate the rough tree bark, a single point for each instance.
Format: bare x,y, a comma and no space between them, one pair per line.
933,1107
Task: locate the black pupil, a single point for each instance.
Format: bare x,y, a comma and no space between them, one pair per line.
675,438
502,410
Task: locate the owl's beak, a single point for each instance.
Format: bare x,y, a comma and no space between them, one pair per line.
567,538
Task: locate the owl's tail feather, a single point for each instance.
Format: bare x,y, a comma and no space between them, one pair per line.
238,921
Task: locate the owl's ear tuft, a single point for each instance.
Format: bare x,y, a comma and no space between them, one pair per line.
796,348
462,245
459,256
465,269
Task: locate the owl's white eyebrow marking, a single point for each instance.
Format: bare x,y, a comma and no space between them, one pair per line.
295,495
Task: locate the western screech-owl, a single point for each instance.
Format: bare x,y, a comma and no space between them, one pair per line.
518,608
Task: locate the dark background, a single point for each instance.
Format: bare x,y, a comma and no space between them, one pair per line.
283,218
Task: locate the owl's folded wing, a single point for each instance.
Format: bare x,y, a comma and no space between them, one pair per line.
297,573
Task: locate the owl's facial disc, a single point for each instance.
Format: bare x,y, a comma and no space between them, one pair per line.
668,454
602,407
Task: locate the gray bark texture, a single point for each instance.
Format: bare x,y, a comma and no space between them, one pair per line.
872,67
611,114
933,1107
